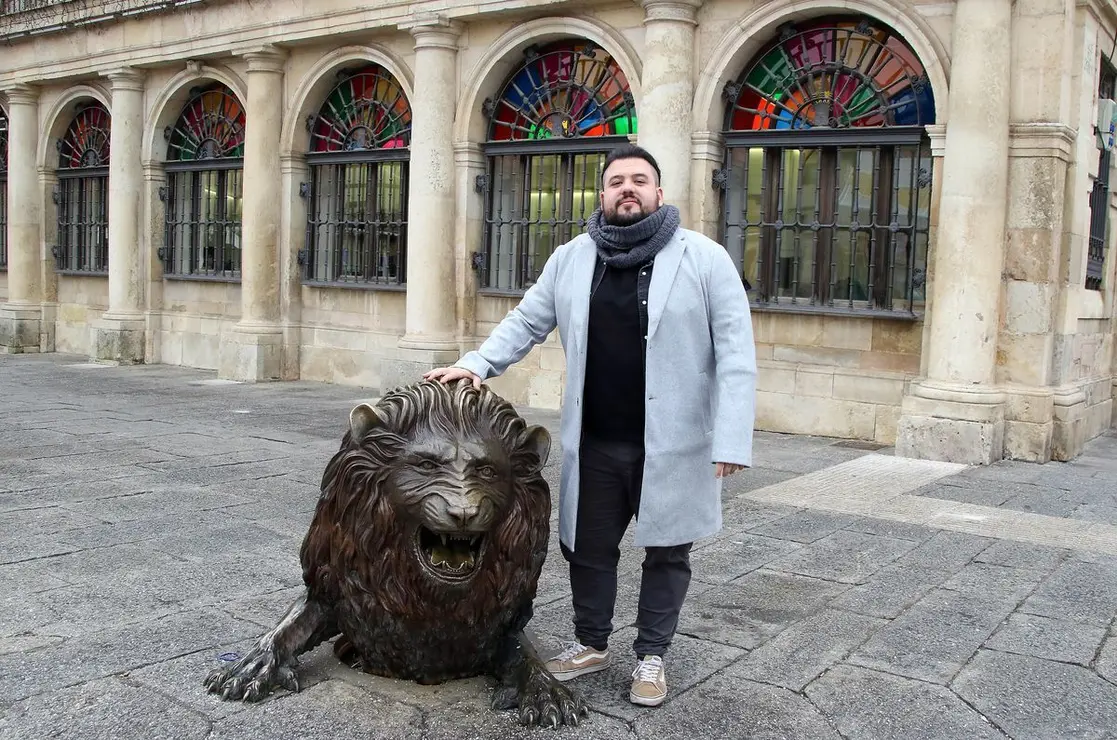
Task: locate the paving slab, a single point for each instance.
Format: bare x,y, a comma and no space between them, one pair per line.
870,704
805,651
1051,639
1064,701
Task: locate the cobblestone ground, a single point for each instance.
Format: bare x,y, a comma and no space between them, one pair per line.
150,519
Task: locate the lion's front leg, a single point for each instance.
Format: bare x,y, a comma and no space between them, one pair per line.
526,683
271,662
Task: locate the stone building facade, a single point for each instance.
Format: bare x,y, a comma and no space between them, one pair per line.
350,192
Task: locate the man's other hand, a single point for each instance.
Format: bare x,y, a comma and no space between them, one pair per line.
450,374
726,469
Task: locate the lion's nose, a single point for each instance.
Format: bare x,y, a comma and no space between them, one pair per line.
462,516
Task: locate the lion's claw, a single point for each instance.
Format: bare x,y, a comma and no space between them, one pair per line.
546,702
252,677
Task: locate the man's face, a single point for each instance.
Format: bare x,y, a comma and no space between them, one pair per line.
630,192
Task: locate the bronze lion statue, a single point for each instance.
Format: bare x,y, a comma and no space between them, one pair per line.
424,554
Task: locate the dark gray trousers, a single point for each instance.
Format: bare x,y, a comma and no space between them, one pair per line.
608,499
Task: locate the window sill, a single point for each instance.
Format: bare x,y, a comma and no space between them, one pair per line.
386,287
853,313
202,278
83,273
498,293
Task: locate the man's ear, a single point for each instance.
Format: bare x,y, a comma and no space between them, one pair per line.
533,449
362,420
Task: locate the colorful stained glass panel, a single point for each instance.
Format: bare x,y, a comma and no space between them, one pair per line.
566,90
86,141
368,110
833,73
211,126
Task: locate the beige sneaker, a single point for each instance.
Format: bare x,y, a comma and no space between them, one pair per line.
649,682
577,660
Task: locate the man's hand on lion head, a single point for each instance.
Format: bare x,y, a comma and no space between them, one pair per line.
450,374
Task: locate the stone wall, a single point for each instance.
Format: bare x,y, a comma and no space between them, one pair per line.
81,301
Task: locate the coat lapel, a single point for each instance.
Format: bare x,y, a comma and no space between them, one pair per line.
663,277
585,260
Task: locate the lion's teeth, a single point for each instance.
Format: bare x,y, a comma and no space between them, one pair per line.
444,541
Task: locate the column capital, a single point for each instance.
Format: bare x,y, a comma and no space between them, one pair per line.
434,31
293,163
126,78
22,94
707,145
267,58
469,154
153,170
683,11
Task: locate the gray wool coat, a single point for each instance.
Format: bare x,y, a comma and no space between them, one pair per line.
700,378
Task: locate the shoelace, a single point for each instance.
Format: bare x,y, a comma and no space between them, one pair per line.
572,649
648,670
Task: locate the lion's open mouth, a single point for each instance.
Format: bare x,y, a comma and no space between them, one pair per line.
450,556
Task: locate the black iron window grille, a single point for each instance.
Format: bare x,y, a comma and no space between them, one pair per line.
82,193
550,129
1098,242
357,215
203,195
3,191
827,177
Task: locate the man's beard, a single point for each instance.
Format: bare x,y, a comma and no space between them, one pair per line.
616,218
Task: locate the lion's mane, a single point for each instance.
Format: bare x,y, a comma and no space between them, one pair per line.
358,552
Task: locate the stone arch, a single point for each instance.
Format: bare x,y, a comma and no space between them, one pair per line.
61,114
746,38
499,59
319,81
174,95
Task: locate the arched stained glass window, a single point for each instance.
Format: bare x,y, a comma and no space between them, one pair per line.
82,193
566,90
357,215
3,191
205,176
557,115
211,126
837,74
367,110
828,170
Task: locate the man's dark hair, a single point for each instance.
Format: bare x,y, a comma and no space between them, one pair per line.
630,151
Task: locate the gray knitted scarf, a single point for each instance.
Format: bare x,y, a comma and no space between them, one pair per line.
630,246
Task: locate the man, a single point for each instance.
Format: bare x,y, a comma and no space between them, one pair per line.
658,405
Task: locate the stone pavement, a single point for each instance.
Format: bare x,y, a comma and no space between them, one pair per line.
150,519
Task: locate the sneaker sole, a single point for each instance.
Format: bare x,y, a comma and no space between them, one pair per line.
567,675
646,701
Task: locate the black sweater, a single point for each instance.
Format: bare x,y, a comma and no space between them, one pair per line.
613,395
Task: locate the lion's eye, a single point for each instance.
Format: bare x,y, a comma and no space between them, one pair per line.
488,472
428,465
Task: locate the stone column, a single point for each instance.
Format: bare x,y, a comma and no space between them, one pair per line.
431,317
21,316
955,412
119,335
667,95
253,350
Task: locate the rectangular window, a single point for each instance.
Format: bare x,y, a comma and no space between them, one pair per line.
357,225
83,228
1099,195
203,223
535,202
830,227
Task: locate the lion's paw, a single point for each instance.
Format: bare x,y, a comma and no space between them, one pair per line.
546,702
252,677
